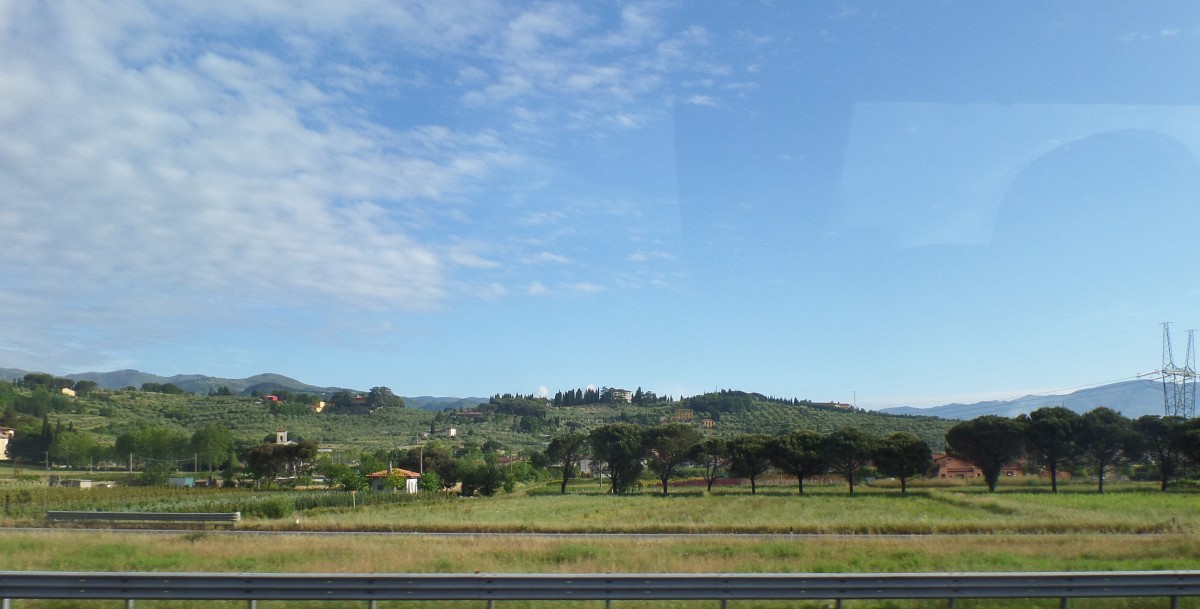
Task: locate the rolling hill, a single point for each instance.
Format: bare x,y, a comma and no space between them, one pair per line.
1131,398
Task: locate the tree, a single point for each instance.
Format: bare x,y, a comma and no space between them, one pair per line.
429,482
1052,438
382,397
38,379
903,456
341,400
750,457
482,476
989,441
212,444
801,453
85,387
151,442
1105,438
667,446
343,477
849,450
1161,442
157,473
76,448
297,457
565,450
619,445
713,455
264,463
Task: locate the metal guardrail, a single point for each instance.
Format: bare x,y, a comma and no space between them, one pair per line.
608,587
221,517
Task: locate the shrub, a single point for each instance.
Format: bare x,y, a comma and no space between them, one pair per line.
271,507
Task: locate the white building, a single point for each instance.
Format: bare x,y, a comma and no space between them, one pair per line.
6,434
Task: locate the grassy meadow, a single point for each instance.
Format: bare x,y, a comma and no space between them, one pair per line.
823,509
826,530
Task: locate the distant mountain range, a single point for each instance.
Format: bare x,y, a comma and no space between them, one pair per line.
265,383
1131,398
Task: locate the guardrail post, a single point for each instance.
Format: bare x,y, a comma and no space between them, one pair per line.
6,603
491,604
724,603
1174,602
950,604
252,604
372,604
1065,604
129,602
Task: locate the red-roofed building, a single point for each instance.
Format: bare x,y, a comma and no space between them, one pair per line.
949,467
379,480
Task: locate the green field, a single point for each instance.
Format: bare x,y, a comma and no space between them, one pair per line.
827,530
1129,508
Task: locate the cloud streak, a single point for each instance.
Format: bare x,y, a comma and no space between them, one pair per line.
206,163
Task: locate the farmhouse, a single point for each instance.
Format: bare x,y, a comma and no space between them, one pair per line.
379,480
949,467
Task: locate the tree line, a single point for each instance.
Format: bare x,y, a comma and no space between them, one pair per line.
1056,438
626,449
1051,439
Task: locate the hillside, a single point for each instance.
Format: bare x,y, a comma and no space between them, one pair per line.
264,383
516,423
199,383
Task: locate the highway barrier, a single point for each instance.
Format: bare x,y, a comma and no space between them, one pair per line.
724,587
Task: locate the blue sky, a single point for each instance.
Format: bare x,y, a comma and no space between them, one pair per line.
893,203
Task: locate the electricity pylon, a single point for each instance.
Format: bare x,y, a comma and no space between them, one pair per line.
1179,383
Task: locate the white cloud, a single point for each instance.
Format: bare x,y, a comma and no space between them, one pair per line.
165,171
547,257
701,100
651,255
470,259
584,287
492,291
542,218
198,161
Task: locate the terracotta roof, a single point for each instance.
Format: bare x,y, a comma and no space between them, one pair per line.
394,470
